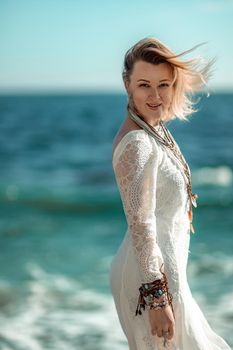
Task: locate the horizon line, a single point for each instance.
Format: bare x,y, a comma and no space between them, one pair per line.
72,91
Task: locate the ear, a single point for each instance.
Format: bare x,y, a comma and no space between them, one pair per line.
126,83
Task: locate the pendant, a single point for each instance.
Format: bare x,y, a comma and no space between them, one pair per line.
190,215
194,196
192,228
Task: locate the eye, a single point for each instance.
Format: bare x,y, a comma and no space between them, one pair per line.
164,85
144,84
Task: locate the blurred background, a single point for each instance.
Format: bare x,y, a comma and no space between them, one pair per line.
62,101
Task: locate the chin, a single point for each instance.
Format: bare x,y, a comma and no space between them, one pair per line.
155,114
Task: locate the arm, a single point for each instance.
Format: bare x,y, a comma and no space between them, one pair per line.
136,176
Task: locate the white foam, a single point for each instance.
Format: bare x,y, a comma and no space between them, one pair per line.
62,311
218,262
219,176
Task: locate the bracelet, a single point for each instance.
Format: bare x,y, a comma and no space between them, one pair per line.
151,292
159,305
150,295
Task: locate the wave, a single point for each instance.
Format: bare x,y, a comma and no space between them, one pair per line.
219,176
213,188
58,312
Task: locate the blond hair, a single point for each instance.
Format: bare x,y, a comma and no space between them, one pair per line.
189,76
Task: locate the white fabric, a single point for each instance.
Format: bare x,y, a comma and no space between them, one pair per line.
153,192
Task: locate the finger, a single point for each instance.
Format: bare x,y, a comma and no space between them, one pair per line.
171,332
160,333
165,338
166,334
153,332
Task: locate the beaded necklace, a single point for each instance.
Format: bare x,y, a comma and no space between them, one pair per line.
169,142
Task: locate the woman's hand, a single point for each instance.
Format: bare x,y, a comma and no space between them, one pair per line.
161,321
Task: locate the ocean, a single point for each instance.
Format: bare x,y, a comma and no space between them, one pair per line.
62,220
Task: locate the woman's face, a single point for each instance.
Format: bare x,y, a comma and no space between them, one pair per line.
151,90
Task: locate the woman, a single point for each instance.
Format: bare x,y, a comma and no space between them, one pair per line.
148,273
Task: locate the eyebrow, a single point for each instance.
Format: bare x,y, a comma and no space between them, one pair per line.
159,81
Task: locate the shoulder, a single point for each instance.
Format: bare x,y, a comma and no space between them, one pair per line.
140,138
132,138
136,145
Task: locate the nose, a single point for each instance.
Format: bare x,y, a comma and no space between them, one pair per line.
154,94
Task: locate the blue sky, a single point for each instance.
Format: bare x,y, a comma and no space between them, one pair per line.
80,45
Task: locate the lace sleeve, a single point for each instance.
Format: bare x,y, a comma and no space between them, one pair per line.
136,176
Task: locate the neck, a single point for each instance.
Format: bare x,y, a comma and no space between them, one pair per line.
154,124
136,117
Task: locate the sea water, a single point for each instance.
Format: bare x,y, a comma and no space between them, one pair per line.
62,219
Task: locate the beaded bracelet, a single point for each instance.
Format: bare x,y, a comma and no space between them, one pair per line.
159,305
150,292
150,301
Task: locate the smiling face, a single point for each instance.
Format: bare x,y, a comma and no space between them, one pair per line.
151,90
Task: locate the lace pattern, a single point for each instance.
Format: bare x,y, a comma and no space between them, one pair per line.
136,176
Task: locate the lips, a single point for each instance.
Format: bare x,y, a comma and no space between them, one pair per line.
154,106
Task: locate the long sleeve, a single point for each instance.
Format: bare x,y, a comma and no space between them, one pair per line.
136,176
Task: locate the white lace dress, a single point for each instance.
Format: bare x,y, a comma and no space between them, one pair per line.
153,192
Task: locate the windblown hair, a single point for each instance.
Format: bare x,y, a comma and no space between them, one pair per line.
189,76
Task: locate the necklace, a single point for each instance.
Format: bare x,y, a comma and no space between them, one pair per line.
169,142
